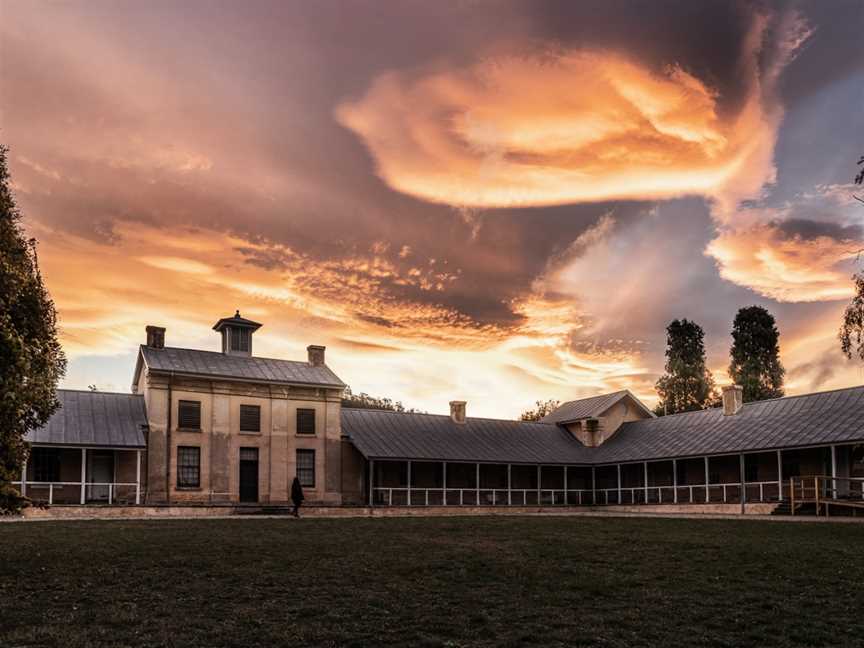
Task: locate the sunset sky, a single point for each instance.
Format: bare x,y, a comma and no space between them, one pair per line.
491,201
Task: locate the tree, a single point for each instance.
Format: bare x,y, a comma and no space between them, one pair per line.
755,354
542,409
687,384
30,355
859,177
852,331
365,401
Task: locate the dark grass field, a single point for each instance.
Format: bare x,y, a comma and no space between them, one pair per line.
432,582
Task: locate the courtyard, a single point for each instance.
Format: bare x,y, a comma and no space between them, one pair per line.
481,581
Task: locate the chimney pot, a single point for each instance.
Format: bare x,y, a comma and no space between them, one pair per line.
155,337
457,411
316,355
733,399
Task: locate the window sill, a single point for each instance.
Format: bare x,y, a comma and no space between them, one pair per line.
251,433
303,435
198,430
189,488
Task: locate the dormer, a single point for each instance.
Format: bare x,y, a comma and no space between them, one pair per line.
236,334
594,420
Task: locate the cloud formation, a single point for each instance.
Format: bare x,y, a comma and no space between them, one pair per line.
571,125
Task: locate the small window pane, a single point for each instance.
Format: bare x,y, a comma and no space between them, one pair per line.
248,454
305,421
189,415
250,418
306,467
188,466
240,338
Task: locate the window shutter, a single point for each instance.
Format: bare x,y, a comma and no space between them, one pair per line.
250,418
189,415
305,421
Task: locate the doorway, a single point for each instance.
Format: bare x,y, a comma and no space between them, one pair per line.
100,471
248,474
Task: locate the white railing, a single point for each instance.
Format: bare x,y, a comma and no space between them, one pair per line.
404,496
766,491
111,489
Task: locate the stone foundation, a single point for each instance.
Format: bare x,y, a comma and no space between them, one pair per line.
225,510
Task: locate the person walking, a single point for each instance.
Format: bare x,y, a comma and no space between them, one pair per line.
296,496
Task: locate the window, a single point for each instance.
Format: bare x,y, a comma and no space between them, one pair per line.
240,339
305,421
250,418
189,415
306,467
751,471
188,467
46,465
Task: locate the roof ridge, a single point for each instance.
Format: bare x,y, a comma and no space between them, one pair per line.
815,393
96,391
584,398
219,353
467,418
767,400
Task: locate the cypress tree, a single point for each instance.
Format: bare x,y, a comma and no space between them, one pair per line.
687,384
755,355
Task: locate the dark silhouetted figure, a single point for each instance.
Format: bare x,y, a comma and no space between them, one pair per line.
296,496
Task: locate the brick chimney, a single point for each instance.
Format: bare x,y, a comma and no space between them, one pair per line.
155,337
457,411
316,355
733,399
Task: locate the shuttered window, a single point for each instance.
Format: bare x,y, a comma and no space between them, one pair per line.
305,421
188,467
306,467
189,415
250,418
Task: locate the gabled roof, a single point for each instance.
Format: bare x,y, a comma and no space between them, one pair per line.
396,435
811,419
93,419
795,421
592,407
211,364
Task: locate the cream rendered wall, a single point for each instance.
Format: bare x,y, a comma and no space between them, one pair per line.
220,439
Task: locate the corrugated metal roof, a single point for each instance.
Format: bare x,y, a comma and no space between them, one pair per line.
87,418
795,421
212,363
812,419
395,435
591,407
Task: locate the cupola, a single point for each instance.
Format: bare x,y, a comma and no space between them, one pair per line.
236,334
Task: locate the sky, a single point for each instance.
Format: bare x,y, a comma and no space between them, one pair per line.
491,201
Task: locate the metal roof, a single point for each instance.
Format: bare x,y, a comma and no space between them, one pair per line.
795,421
591,407
381,434
812,419
215,364
236,320
88,418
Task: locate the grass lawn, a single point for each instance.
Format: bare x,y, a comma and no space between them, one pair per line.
485,581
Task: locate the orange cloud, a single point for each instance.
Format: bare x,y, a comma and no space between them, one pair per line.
784,267
569,126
